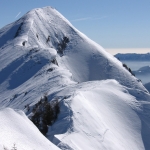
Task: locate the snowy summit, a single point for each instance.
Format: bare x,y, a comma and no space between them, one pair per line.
56,81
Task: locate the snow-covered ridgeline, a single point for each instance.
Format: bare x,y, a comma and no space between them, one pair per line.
99,113
16,128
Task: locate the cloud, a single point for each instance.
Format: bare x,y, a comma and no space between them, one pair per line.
82,19
99,18
18,14
90,18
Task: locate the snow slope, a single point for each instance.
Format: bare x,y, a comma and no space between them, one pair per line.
85,59
106,114
15,128
101,115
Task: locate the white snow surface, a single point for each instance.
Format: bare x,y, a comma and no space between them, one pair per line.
85,59
102,106
16,128
100,115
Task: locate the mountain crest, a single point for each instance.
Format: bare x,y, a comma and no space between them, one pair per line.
42,54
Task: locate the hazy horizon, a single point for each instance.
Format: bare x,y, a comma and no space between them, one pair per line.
114,51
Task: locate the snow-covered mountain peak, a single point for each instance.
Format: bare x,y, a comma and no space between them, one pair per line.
43,54
43,36
46,19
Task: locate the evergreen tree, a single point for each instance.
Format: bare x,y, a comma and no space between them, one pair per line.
56,109
44,114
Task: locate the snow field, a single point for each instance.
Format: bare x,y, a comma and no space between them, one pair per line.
101,114
15,128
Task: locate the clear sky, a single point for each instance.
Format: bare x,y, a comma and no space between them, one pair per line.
114,24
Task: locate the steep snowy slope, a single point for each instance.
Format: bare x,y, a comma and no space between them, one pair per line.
102,115
42,53
15,128
86,60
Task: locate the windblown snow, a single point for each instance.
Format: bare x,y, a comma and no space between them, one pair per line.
102,105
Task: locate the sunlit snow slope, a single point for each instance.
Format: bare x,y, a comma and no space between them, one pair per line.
102,115
85,59
15,128
102,106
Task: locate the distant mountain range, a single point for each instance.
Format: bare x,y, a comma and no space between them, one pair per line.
143,74
147,85
142,70
133,57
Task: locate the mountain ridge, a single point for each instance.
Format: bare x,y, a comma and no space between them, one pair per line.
46,55
82,44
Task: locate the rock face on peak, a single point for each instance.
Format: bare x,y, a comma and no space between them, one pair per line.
43,54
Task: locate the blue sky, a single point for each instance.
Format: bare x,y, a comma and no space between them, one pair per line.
114,24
